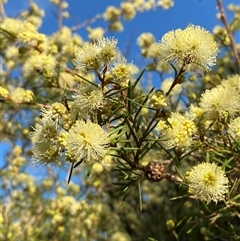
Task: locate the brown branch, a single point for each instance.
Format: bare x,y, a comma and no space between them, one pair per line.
224,20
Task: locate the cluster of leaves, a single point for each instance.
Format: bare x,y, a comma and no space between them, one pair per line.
141,194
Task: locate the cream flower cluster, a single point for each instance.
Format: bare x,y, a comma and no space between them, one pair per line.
178,132
101,54
220,102
87,141
158,100
92,56
166,84
234,129
232,81
148,45
207,182
4,92
19,95
46,147
23,31
40,63
58,132
191,48
87,99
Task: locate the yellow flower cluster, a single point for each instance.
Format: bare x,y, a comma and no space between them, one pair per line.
207,182
158,100
101,54
189,49
40,64
20,95
220,102
166,84
178,132
165,4
87,99
23,31
4,92
149,48
87,141
44,136
234,129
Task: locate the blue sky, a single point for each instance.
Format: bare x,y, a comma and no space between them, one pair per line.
158,22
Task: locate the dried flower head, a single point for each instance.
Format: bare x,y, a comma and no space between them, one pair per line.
207,182
191,48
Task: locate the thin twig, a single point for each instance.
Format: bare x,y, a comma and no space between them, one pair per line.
2,12
60,15
224,20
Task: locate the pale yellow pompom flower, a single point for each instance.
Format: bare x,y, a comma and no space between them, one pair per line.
190,49
128,10
112,13
165,4
166,84
121,72
40,63
157,100
87,141
120,236
24,31
234,129
207,182
107,49
95,33
4,92
87,57
12,52
152,51
116,26
220,102
145,40
177,132
62,37
46,147
194,112
19,95
232,81
87,99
